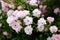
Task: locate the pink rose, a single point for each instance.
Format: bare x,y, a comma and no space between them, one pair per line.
56,10
20,7
5,9
56,37
5,33
53,29
41,6
50,19
4,4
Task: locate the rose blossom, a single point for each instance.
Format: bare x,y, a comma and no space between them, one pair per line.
53,29
49,38
50,19
5,9
40,27
16,25
12,13
28,30
54,37
9,13
33,3
15,14
28,20
36,13
23,14
20,7
5,33
4,5
41,21
56,10
41,6
10,19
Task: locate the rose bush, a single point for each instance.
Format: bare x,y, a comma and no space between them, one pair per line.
29,19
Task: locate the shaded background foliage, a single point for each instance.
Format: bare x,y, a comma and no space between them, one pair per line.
51,5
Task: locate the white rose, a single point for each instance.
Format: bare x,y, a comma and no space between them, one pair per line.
28,30
36,13
33,3
22,14
9,13
28,20
41,21
10,19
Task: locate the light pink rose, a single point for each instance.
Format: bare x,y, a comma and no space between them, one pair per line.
10,19
5,33
20,7
28,30
10,12
16,26
4,4
40,28
5,9
53,29
56,10
49,38
42,7
56,37
37,13
50,19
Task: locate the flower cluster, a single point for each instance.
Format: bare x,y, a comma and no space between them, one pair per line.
13,21
30,22
6,6
15,17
